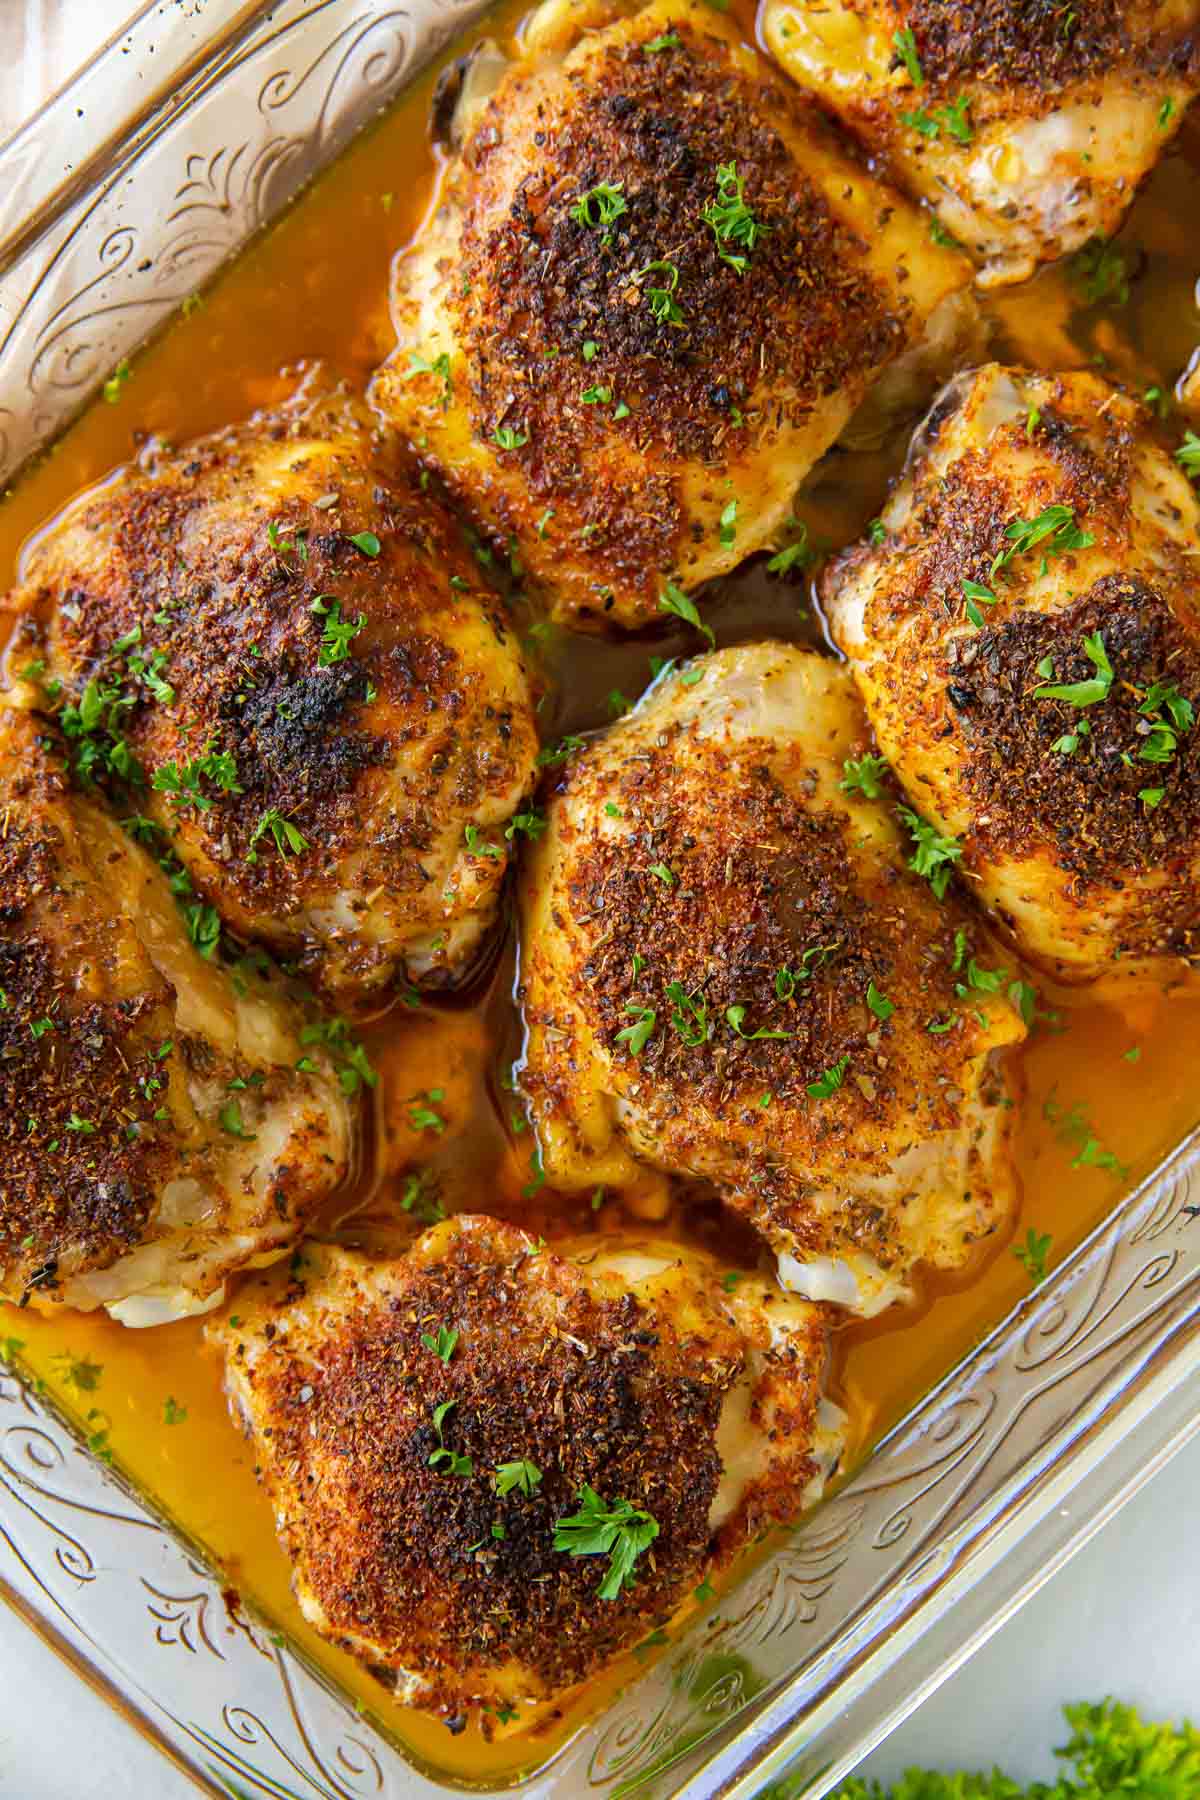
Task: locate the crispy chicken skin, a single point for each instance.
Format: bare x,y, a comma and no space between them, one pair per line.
1026,124
380,747
617,399
155,1132
1080,822
621,1366
703,856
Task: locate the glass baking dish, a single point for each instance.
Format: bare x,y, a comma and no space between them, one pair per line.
166,154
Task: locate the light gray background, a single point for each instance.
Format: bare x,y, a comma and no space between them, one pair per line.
1123,1618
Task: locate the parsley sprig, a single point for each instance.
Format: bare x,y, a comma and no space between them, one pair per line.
620,1531
731,221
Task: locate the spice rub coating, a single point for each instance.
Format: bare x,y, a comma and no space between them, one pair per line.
728,973
654,293
154,1132
1027,125
424,1425
317,695
1078,813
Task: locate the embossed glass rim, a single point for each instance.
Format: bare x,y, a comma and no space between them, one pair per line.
954,1519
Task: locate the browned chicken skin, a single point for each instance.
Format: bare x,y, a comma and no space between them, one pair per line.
155,1134
393,1404
1078,813
653,294
330,712
728,974
1026,124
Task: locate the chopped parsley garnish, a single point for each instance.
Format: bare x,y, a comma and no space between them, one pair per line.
419,1199
1100,274
689,1015
601,206
831,1080
566,747
1054,528
440,366
452,1460
508,437
879,1003
792,556
661,297
204,926
183,783
674,600
531,823
1083,693
230,1116
337,634
478,845
115,383
442,1344
620,1531
788,980
664,873
669,40
731,221
1188,455
864,775
975,591
906,49
728,525
638,1035
354,1070
934,855
954,120
596,396
521,1476
980,981
173,1413
422,1117
287,838
735,1019
80,1373
1032,1254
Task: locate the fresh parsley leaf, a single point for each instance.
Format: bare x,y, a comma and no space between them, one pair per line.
638,1035
905,45
521,1476
601,206
620,1531
934,855
674,600
731,221
1032,1254
1083,693
864,775
831,1080
442,1344
287,838
735,1016
337,633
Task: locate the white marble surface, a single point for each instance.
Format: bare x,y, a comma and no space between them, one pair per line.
1123,1618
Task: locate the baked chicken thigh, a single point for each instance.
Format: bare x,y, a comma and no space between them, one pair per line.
728,973
1026,124
155,1133
494,1465
1026,637
653,294
279,649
